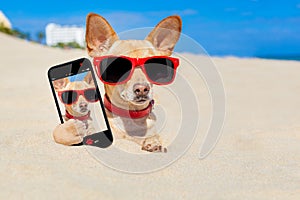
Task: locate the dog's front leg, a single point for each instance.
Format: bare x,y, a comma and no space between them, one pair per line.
90,127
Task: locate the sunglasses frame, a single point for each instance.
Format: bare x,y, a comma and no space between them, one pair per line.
79,92
135,62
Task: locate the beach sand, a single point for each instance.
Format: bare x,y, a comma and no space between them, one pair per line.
257,156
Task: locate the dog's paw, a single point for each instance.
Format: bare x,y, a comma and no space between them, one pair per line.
153,144
70,132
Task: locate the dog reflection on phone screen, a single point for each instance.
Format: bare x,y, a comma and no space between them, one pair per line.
77,96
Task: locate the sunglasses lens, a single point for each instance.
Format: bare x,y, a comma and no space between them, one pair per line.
91,95
115,69
160,70
68,97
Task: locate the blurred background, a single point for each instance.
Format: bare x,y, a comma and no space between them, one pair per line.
244,28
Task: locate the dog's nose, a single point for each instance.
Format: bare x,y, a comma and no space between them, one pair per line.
141,89
83,105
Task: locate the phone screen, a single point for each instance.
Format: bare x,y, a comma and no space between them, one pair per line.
77,97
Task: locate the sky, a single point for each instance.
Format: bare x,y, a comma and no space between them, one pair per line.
243,28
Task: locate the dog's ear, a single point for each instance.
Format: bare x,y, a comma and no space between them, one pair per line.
89,79
60,84
166,34
99,35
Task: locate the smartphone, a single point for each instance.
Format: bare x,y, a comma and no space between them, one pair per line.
77,96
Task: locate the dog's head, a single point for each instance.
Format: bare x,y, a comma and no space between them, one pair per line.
102,40
81,106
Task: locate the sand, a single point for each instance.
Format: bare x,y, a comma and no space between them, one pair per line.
257,156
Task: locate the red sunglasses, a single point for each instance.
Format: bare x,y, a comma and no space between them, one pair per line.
159,70
71,96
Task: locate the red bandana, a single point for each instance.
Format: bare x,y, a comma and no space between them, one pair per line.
134,114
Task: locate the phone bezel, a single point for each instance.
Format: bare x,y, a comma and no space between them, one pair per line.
71,68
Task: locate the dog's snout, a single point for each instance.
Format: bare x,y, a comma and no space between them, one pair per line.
141,89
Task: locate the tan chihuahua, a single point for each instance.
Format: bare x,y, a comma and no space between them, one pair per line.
136,94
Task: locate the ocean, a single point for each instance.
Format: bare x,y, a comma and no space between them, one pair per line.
281,57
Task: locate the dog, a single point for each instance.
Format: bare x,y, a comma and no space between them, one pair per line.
136,94
77,112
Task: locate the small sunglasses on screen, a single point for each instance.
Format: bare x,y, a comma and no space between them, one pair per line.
159,70
71,96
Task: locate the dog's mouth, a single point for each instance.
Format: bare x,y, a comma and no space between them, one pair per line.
141,99
84,110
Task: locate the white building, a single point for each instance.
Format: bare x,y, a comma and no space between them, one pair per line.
56,33
4,20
